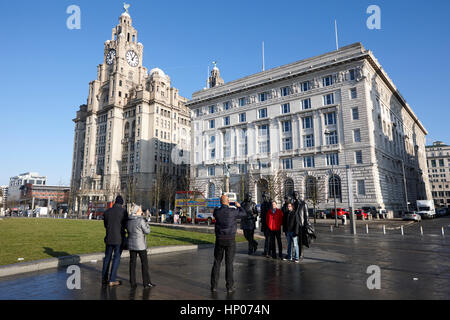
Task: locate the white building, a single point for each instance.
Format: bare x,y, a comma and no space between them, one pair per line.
15,183
134,126
287,128
438,157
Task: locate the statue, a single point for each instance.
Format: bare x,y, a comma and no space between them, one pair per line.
126,6
248,223
266,205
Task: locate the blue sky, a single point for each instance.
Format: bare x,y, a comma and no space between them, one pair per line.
46,68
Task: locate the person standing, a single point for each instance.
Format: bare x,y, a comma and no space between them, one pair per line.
115,220
248,223
225,230
138,228
265,207
274,222
291,228
302,214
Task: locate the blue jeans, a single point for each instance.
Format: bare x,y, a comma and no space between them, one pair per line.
291,239
115,263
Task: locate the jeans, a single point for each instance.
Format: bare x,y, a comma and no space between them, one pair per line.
272,249
229,248
115,263
144,266
252,244
291,239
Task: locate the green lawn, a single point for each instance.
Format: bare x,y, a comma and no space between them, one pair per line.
35,239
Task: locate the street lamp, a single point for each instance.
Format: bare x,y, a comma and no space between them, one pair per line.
328,133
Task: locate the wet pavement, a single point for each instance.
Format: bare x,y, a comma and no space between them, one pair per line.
335,267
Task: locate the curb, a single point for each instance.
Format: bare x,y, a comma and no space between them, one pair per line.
39,265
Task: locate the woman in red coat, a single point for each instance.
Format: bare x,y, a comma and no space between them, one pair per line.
274,220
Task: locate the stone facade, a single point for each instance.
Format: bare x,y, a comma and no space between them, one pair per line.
438,157
134,125
312,123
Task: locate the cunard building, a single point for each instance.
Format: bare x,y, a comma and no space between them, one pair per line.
133,129
332,127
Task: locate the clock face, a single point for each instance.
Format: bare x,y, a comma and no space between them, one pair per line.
132,58
110,57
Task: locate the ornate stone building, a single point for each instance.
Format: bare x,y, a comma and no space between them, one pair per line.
134,126
312,126
438,157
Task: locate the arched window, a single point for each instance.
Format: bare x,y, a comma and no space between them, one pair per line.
289,188
334,187
211,190
311,188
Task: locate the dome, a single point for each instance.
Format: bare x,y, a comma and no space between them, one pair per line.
158,71
125,14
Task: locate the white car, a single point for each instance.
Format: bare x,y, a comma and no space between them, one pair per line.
411,215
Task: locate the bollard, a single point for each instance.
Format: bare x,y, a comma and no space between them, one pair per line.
384,229
367,228
401,228
421,231
442,231
331,228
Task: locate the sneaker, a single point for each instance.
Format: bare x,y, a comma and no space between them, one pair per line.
115,283
213,289
149,285
230,290
297,261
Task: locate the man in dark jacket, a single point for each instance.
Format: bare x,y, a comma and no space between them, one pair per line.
266,205
115,223
248,223
291,228
226,227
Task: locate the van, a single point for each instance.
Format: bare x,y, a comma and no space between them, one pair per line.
425,208
39,212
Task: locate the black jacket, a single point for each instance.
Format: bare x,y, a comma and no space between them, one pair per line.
291,222
302,212
226,225
115,223
248,222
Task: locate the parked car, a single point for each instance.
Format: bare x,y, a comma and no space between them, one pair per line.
322,214
363,214
441,212
98,214
340,213
371,210
411,215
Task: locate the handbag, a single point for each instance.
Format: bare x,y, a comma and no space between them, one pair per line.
125,244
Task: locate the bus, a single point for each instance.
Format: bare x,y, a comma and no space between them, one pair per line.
188,202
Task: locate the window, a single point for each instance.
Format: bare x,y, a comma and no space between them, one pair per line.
243,146
242,117
285,91
358,157
306,104
308,162
328,99
285,108
263,96
242,102
305,86
331,138
307,122
308,141
332,159
226,105
227,145
357,135
327,81
353,93
262,113
334,187
263,139
212,124
226,121
287,144
433,163
211,171
212,109
286,126
361,187
352,74
441,162
287,164
330,118
355,114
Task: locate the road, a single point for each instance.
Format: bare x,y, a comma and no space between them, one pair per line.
335,267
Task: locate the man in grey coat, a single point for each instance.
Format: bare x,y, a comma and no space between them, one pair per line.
138,227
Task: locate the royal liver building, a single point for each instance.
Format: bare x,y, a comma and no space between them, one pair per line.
311,126
134,131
